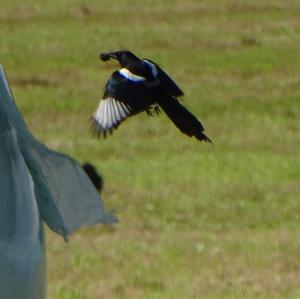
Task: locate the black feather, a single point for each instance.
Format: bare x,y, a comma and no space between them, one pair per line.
170,87
184,120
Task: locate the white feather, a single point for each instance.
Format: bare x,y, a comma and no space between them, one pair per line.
129,75
121,110
105,118
112,111
108,116
103,115
117,113
97,114
125,108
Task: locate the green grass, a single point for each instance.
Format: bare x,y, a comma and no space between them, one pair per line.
196,220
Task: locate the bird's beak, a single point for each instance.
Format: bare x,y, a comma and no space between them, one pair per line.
108,56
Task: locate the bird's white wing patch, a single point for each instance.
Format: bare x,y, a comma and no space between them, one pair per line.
153,68
129,75
110,113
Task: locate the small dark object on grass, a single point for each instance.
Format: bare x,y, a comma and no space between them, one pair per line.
141,85
95,177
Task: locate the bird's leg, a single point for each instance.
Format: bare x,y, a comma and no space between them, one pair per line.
149,112
153,110
156,109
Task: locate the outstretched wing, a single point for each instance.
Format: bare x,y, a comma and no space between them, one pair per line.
169,85
122,98
109,114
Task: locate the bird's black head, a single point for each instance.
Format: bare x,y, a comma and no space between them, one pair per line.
124,57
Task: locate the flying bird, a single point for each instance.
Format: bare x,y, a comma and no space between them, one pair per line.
141,85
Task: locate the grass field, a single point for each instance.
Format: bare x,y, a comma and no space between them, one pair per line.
196,220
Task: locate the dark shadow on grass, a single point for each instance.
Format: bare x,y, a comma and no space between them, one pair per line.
34,81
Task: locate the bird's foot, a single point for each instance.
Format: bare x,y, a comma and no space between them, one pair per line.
156,109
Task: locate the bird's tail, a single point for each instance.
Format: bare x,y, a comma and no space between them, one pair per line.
184,120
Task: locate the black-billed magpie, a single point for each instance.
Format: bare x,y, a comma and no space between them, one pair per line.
141,85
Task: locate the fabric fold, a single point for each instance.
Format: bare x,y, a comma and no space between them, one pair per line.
65,195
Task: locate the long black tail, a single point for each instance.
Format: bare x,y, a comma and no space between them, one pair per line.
184,120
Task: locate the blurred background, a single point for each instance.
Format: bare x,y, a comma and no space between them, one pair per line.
196,220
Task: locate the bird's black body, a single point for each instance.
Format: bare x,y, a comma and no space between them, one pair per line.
141,85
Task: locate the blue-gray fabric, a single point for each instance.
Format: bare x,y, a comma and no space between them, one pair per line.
36,185
22,254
